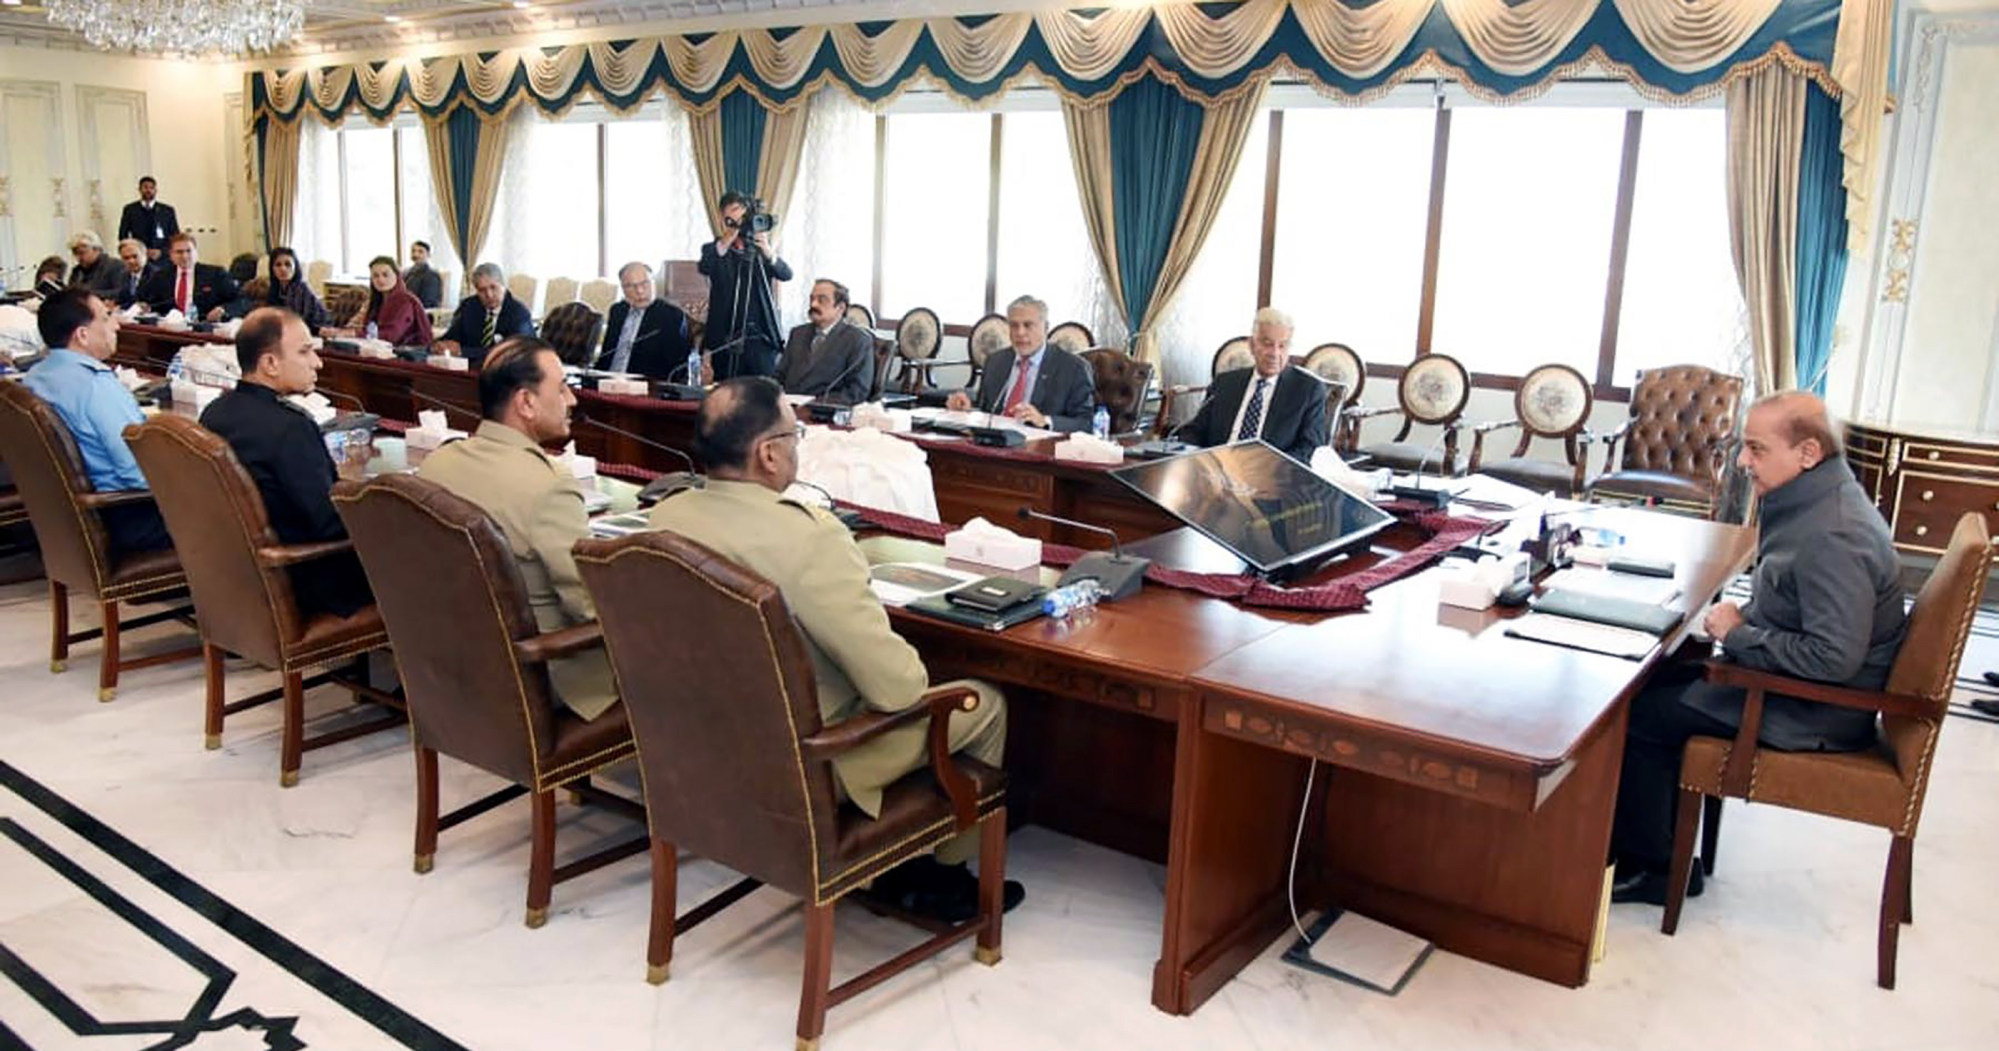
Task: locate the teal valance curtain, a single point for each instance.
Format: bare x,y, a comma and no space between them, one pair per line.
743,119
464,150
1821,245
743,144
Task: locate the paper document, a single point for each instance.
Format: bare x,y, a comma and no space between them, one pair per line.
610,527
1652,591
978,419
1582,635
901,583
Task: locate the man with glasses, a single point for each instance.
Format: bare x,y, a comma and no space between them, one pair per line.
643,333
535,501
747,435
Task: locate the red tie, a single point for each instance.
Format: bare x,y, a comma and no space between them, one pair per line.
1019,392
180,293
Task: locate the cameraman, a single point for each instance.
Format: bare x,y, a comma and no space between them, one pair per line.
739,267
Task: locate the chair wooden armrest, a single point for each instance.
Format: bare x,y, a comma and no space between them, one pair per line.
1610,440
1742,753
1478,433
936,706
114,498
293,554
1363,412
1162,424
564,642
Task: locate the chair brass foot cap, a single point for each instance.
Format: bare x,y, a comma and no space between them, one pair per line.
574,796
211,741
656,973
989,957
536,917
807,1045
106,693
424,863
58,667
287,778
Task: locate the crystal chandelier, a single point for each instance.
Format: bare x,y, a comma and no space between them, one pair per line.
190,27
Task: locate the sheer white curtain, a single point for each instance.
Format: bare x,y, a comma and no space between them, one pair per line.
651,193
545,221
830,231
316,220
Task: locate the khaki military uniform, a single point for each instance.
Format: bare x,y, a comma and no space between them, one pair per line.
539,508
858,661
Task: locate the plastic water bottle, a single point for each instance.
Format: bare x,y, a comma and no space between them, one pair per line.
1069,598
175,368
694,367
372,330
1100,424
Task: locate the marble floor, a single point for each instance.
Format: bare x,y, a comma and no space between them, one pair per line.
185,886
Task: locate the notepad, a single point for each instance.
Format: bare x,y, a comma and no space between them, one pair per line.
1582,635
1652,591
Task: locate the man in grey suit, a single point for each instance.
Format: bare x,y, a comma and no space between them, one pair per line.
1272,400
1826,605
95,268
827,357
1032,382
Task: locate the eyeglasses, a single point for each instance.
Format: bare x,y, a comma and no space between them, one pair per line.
797,431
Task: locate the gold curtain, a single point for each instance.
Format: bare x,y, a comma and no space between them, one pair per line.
1766,127
471,239
705,128
1090,155
1860,64
783,149
279,187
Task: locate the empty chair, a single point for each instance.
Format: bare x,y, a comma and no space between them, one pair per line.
988,337
76,550
917,337
1122,384
575,331
238,573
1553,401
737,764
560,290
524,288
1884,786
475,668
1345,375
316,273
1673,450
1433,391
1072,336
859,314
599,293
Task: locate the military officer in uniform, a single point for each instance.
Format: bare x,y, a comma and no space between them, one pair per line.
747,435
536,502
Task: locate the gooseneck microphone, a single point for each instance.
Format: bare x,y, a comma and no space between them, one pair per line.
1438,497
448,406
1120,575
579,416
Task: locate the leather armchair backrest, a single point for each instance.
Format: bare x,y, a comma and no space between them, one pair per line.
344,302
1121,385
717,727
1682,419
574,330
48,472
1926,665
452,600
217,518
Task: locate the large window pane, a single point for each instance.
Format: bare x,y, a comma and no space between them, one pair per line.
545,220
421,219
1529,199
1044,246
1353,208
1218,297
371,196
316,224
1681,300
830,231
650,191
936,182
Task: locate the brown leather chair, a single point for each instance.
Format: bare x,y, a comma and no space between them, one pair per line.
1676,442
474,669
575,331
1122,385
1883,786
1553,401
237,571
736,762
1433,391
76,550
344,302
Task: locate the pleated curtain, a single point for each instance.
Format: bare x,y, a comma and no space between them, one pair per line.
1822,237
465,150
742,145
277,177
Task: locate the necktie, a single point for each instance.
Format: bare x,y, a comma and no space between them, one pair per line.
1252,417
1019,392
492,325
180,293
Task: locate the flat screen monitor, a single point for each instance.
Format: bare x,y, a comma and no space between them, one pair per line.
1266,508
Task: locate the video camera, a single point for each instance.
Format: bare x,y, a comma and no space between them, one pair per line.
755,218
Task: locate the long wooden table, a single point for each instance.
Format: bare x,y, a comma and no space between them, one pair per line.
970,481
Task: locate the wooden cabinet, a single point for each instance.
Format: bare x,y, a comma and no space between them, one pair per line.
1923,481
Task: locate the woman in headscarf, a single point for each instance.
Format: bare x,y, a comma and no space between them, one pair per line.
398,316
289,290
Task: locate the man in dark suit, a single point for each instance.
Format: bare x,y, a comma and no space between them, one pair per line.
425,284
484,318
827,357
1032,382
151,222
1272,400
739,267
199,291
135,272
645,334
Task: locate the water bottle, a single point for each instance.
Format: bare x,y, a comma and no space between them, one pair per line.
1069,598
175,368
1100,424
372,330
694,367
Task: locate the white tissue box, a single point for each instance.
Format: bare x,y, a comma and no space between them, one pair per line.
450,362
581,468
377,349
426,438
623,385
875,415
1085,448
185,393
1001,551
1476,585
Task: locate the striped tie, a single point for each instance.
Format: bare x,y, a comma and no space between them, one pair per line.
492,326
1252,417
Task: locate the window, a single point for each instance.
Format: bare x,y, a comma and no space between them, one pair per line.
365,191
369,223
830,229
1530,196
545,222
652,198
1681,300
421,219
1044,245
936,184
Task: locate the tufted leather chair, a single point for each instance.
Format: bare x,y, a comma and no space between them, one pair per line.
13,511
474,668
1883,786
1676,442
237,571
344,303
575,331
76,550
1122,384
737,764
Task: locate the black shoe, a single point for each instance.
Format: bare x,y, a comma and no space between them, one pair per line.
1648,887
925,887
1988,707
1992,677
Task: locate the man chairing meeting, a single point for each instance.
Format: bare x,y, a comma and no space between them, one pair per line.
1030,381
747,435
1272,400
827,357
1826,605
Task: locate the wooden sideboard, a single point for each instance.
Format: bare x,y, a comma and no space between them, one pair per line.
1923,480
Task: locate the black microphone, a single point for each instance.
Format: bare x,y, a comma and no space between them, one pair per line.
448,406
334,395
1438,497
579,416
1120,574
666,484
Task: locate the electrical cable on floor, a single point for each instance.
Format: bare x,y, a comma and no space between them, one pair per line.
1297,838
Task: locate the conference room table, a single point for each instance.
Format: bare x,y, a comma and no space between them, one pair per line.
1462,781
